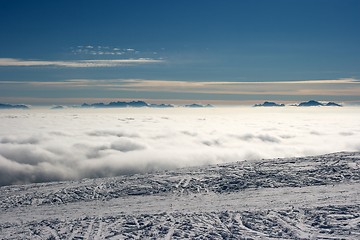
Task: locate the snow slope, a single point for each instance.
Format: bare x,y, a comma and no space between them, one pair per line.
291,198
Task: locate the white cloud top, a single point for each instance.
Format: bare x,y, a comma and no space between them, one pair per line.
39,145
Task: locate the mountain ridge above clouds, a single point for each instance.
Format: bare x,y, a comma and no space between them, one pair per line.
313,103
13,106
310,103
140,104
269,104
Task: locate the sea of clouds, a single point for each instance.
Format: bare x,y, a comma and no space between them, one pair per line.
50,145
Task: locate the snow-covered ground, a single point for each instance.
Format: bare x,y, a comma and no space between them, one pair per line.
292,198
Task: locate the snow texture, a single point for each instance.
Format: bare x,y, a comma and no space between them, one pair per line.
291,198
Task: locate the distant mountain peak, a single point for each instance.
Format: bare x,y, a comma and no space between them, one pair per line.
269,104
121,104
195,105
57,107
333,104
13,106
162,105
310,103
313,103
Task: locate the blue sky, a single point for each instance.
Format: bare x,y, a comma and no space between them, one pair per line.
179,51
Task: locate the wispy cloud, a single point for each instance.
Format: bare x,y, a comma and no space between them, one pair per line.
103,50
335,87
346,86
179,91
13,62
112,51
310,87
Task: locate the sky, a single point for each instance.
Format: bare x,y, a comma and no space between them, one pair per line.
69,52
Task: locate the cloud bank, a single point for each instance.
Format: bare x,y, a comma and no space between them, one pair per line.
77,91
335,87
41,146
13,62
344,86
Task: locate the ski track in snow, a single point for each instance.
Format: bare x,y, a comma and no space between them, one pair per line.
293,198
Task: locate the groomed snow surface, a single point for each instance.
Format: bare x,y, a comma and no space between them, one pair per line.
290,198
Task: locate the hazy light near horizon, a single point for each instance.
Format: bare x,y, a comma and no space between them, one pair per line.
335,89
40,146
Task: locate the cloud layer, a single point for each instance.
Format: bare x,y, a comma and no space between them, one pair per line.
347,86
335,87
13,62
40,146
